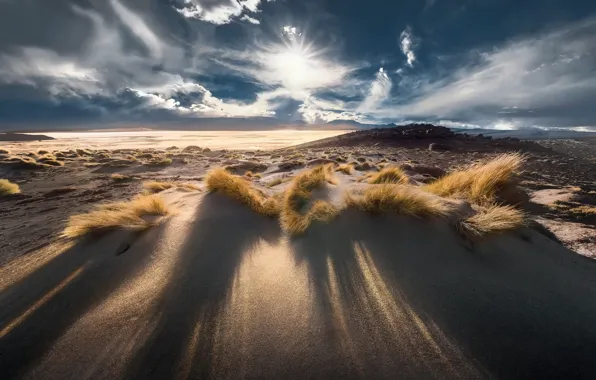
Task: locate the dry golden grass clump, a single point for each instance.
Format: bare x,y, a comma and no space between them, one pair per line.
295,216
584,210
83,152
250,174
159,161
479,184
50,159
345,168
117,177
157,186
8,188
389,175
131,215
24,162
275,182
220,180
492,219
399,199
42,152
4,151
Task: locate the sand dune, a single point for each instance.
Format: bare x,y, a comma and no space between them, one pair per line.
218,291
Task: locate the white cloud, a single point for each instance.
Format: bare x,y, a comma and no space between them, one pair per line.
44,68
250,19
139,28
219,12
544,74
379,91
407,45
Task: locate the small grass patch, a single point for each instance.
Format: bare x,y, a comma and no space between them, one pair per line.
157,186
389,175
83,152
4,151
117,177
159,161
220,180
132,215
345,168
294,218
492,219
584,210
8,188
399,199
479,184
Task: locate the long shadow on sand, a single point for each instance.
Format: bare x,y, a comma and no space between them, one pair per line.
400,293
187,311
37,310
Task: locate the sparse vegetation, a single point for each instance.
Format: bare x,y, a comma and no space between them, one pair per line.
345,168
83,152
389,175
492,219
159,161
584,210
8,188
250,174
296,216
157,186
399,199
133,215
117,177
275,182
220,180
24,162
479,184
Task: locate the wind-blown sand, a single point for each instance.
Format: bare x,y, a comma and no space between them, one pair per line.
218,291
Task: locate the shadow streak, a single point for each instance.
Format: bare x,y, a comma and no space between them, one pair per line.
223,232
513,308
37,310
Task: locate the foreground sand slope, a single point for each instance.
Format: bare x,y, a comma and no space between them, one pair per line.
219,292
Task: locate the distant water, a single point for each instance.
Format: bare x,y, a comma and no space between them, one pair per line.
241,140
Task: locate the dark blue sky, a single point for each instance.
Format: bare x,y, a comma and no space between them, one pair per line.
491,63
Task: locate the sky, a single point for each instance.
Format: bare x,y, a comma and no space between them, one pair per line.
502,64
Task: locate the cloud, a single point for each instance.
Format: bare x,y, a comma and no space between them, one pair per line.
250,19
407,45
108,72
546,79
379,91
292,64
219,12
139,28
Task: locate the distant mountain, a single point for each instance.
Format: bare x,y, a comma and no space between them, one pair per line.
358,125
23,137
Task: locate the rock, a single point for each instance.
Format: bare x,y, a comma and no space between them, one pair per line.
438,147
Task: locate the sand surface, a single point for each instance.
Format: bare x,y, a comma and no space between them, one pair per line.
361,297
219,292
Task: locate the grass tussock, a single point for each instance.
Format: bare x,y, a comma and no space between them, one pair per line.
84,152
479,184
584,210
153,187
117,177
491,220
399,199
220,180
159,161
4,151
250,174
345,168
296,216
389,175
8,188
24,162
50,160
132,215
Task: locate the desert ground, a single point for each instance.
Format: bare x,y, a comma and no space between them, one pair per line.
410,252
